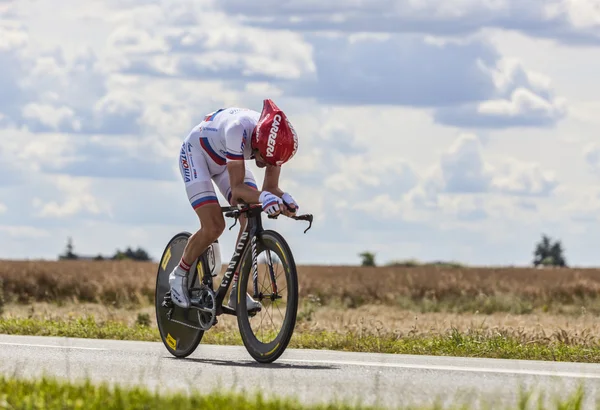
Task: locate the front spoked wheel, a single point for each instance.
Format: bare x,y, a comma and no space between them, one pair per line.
267,333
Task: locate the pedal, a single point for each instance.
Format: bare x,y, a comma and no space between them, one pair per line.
167,301
253,312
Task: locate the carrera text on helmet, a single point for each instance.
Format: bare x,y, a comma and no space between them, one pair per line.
273,135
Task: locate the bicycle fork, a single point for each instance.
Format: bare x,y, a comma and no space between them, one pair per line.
258,295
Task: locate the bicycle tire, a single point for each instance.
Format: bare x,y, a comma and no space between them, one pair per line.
180,341
268,352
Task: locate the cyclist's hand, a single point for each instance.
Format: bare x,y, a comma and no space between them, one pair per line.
291,203
271,204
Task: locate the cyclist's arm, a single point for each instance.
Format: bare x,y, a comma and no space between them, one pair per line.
271,181
239,190
234,137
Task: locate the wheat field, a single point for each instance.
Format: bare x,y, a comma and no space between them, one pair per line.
421,288
423,300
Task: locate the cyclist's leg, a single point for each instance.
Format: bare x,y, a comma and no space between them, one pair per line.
201,194
222,181
212,226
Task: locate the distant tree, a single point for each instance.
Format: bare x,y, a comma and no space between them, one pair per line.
119,256
138,255
99,258
69,254
141,255
557,254
368,258
547,253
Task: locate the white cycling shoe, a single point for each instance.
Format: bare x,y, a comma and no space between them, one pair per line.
178,281
251,304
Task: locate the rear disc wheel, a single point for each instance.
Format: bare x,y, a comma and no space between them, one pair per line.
180,340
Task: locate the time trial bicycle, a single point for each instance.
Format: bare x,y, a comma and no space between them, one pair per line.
181,330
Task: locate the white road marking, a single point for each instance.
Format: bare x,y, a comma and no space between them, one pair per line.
530,372
52,346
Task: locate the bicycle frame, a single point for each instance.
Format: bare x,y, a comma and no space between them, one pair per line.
253,226
253,229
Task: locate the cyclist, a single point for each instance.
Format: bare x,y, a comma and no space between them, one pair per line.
216,150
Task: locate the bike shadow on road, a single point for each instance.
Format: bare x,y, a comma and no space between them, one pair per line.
275,365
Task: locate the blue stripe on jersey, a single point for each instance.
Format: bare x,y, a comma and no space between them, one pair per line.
213,115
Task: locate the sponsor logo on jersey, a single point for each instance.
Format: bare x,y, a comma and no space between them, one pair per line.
273,135
211,129
185,165
236,110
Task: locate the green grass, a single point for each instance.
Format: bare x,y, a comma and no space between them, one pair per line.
491,343
50,394
53,394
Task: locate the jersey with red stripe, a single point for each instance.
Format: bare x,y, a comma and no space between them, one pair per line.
225,134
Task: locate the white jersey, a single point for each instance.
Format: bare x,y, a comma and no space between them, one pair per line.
224,135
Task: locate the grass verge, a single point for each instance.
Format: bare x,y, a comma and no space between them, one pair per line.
52,394
483,342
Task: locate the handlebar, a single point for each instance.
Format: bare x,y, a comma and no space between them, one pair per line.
237,210
305,217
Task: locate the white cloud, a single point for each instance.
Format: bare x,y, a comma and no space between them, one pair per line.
564,20
218,47
465,170
397,70
3,208
464,182
479,88
30,152
46,91
591,154
522,102
463,167
132,40
52,117
582,14
77,199
471,92
521,98
365,173
118,112
583,207
518,178
24,232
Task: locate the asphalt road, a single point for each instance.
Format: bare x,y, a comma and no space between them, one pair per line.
311,375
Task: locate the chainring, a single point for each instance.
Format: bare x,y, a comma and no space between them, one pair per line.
203,299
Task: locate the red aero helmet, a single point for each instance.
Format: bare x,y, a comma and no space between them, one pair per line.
275,136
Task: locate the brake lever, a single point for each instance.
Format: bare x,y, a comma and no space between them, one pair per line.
235,222
307,217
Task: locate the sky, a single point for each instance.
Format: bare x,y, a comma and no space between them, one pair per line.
437,130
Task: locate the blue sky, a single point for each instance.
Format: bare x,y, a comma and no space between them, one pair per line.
433,130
